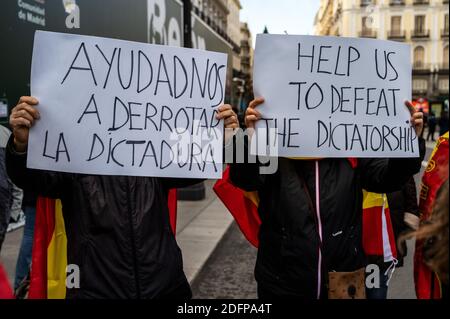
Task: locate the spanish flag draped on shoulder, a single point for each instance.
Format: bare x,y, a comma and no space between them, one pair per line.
49,258
428,285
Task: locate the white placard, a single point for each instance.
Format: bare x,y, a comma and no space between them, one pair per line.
113,107
334,97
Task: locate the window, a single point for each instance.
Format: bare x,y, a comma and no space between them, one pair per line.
419,57
366,23
419,25
420,85
396,31
396,24
205,8
365,3
443,85
445,57
367,30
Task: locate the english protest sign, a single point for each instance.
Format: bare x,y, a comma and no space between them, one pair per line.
333,97
113,107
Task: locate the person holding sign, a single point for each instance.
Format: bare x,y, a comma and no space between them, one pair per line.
311,213
117,226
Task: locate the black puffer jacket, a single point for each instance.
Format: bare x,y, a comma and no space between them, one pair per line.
287,263
118,230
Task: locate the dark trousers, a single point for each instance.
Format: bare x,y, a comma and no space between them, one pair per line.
26,248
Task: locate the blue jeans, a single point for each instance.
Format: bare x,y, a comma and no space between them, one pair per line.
26,247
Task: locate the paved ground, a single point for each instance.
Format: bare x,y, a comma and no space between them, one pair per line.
228,274
10,251
201,226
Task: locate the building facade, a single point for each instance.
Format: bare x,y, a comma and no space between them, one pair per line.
214,13
234,31
234,21
246,65
424,24
223,16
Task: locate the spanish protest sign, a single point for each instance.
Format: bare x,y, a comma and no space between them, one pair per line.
333,97
113,107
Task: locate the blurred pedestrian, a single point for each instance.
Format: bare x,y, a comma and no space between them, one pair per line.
425,120
25,203
432,122
311,214
15,213
443,123
118,228
23,264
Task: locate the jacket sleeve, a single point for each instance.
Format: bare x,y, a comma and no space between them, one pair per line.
43,183
389,175
244,169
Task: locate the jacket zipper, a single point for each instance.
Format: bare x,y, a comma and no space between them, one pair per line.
133,243
314,211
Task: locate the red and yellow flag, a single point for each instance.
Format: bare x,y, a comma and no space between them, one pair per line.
427,282
377,232
49,259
